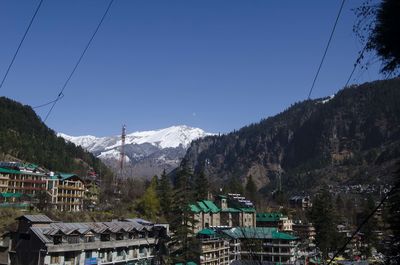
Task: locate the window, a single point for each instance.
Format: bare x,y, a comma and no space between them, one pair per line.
57,240
89,239
119,236
105,237
54,259
88,254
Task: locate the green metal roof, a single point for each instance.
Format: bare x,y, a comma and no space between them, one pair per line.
64,176
210,205
203,207
268,217
248,210
194,208
13,171
207,232
230,210
10,195
257,233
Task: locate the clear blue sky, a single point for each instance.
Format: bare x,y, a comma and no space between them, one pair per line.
217,65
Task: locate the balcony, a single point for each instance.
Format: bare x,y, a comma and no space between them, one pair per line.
68,187
64,247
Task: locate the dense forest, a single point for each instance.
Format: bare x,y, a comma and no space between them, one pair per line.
351,138
25,137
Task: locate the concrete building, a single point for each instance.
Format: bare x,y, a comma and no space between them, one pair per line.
227,211
40,240
305,231
66,192
277,220
262,244
20,185
214,249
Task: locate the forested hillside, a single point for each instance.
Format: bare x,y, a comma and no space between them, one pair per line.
351,138
25,137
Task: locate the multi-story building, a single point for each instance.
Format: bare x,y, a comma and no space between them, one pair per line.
277,220
262,244
20,184
66,192
214,249
304,231
227,211
302,202
40,240
15,181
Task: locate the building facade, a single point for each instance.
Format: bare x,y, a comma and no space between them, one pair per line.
277,220
23,184
40,240
263,244
227,211
214,249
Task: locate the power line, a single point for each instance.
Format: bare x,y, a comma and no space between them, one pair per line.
61,95
20,43
326,49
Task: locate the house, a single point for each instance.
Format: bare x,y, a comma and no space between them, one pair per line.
40,240
277,220
302,202
227,211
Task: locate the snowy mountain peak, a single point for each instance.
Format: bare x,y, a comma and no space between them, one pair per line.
171,137
147,152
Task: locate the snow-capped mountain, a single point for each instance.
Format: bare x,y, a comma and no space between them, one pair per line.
147,152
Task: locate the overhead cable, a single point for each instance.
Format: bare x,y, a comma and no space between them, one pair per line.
20,44
60,94
326,49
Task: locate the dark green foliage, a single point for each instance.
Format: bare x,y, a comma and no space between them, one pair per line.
184,245
251,190
310,142
385,38
393,205
165,194
201,185
24,136
324,218
368,228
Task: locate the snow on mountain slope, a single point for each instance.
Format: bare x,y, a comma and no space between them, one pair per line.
148,147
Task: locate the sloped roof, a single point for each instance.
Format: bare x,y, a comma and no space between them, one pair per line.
257,233
13,171
64,176
268,217
207,232
36,218
210,205
194,208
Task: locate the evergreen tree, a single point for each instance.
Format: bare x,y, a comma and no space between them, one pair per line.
202,186
184,245
392,254
234,185
324,218
150,204
251,189
369,227
165,195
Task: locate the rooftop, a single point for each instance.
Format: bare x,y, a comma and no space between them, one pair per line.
257,233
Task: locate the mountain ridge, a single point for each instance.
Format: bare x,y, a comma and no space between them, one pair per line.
147,152
353,136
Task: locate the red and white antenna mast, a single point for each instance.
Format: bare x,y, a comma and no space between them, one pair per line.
122,151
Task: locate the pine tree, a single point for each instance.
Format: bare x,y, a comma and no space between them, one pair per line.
324,218
251,189
150,204
165,195
202,186
183,242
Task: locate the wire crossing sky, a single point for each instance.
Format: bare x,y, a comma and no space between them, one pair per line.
217,65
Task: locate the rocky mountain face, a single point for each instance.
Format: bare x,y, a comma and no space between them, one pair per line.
146,153
350,138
